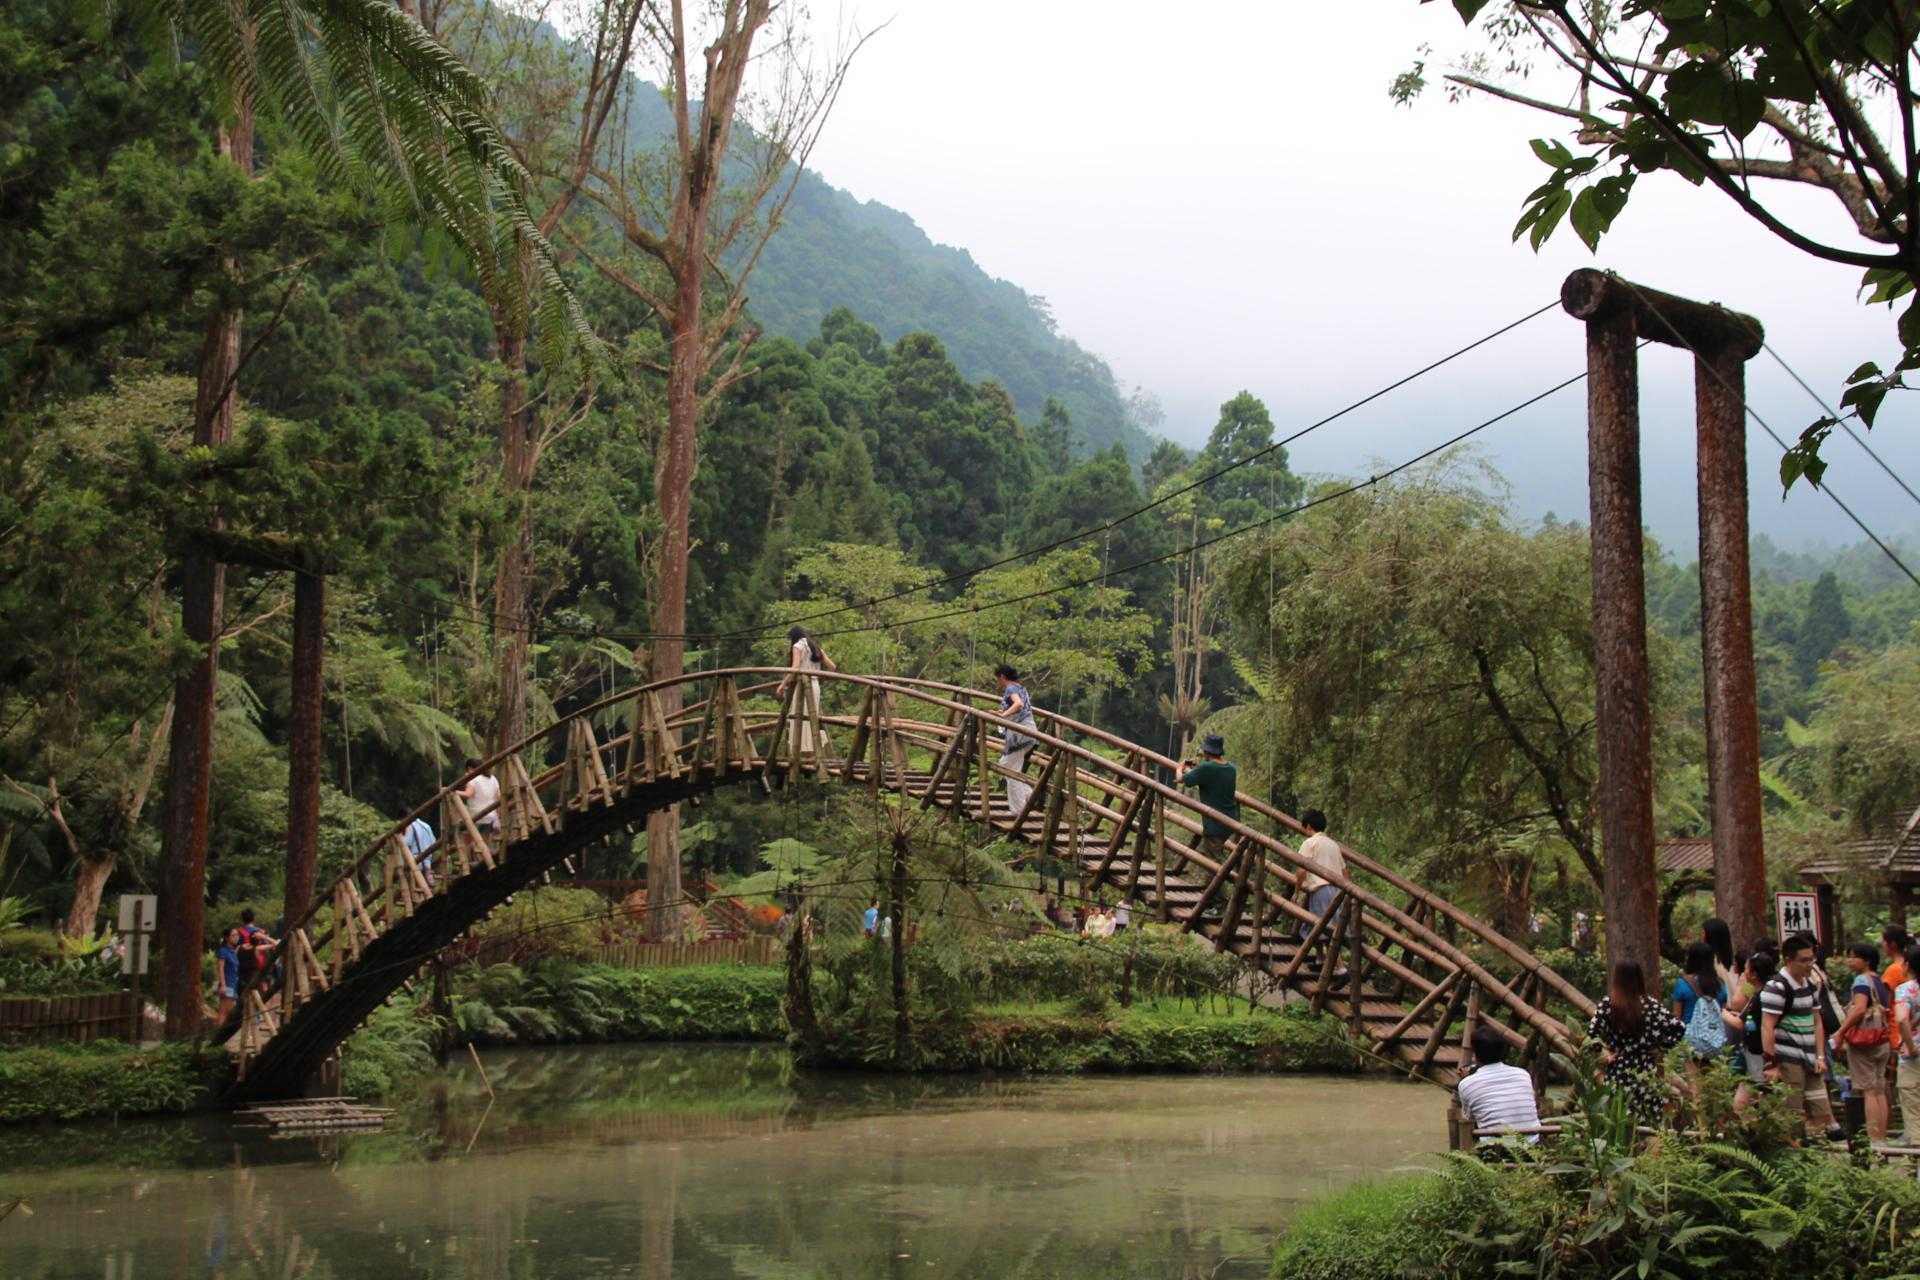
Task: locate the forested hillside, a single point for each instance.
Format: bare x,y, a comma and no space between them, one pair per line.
836,251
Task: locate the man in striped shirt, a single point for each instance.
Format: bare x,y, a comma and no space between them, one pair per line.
1497,1096
1790,1039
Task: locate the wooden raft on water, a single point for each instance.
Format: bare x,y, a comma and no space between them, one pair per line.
303,1116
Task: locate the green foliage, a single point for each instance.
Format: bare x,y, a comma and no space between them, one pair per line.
1168,1038
561,1002
53,973
393,1046
105,1078
1601,1200
539,924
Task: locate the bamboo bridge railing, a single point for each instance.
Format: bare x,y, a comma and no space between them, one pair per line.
1408,971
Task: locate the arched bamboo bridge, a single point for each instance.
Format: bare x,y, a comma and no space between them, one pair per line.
1407,970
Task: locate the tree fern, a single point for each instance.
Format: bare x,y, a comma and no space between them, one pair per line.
387,109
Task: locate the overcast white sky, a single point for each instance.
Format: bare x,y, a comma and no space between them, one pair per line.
1219,195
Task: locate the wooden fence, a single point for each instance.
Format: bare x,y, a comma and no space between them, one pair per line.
105,1016
676,955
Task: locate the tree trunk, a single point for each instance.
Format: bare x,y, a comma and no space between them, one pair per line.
202,589
673,493
512,588
89,885
304,745
897,913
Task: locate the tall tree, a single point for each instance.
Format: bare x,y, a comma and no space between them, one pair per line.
350,78
1746,97
1824,624
692,223
558,97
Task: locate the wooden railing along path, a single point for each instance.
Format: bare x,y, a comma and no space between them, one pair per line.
1410,972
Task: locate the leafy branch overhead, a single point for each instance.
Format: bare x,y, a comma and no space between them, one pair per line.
390,111
1735,95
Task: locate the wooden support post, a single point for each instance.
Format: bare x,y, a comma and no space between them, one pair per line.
1440,992
1258,939
707,752
525,812
1132,811
1142,841
1623,684
1324,980
780,733
1468,1027
987,761
1218,878
1244,855
1314,935
862,730
959,747
822,750
1726,645
1439,1033
1160,858
1356,969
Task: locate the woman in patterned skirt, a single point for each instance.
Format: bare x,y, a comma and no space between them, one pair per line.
1635,1031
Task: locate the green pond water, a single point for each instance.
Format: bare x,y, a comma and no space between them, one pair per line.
710,1162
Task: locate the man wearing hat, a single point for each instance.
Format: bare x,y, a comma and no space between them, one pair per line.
1216,781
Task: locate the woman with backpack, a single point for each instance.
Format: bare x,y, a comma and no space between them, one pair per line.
1699,998
1863,1036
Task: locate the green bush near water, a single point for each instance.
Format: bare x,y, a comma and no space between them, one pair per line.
105,1078
1690,1210
558,1002
1058,1042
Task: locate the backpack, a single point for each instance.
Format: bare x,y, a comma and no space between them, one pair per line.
1706,1033
1871,1030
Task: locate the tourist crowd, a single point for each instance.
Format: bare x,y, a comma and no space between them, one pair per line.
1773,1018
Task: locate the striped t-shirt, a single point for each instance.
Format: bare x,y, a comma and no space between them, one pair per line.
1796,1037
1499,1096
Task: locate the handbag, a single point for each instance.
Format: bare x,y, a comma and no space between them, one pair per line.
1871,1030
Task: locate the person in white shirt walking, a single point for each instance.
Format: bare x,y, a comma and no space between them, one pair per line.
482,796
1497,1096
1323,853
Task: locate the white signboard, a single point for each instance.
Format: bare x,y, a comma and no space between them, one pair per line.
139,912
1797,913
133,954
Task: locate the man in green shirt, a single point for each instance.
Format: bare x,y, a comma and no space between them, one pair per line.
1216,781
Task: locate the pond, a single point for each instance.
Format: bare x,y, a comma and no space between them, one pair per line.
711,1162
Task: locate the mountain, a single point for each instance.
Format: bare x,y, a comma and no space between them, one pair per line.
833,250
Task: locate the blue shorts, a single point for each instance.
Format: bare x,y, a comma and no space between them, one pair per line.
1320,901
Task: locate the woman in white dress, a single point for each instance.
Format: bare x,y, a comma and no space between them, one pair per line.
806,657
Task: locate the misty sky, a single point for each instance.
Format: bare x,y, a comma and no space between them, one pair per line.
1219,195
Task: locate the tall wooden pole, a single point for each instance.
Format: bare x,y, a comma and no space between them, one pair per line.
304,742
1619,314
1623,691
1726,643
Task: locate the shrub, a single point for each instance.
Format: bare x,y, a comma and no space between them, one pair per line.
65,1082
540,924
395,1044
1293,1040
29,944
560,1001
1600,1202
